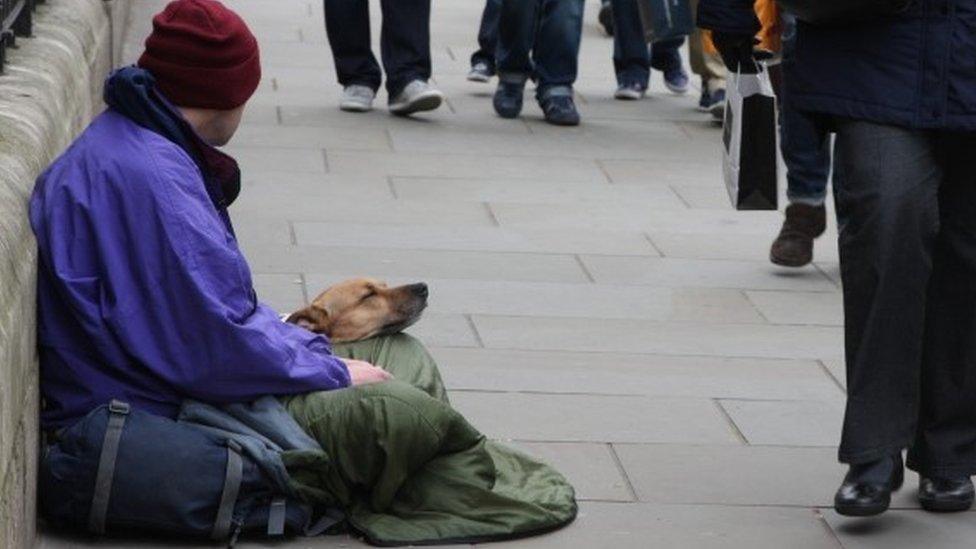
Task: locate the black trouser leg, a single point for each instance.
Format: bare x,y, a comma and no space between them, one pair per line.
888,200
945,444
405,43
347,27
488,35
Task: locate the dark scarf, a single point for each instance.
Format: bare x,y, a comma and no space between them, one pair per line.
131,91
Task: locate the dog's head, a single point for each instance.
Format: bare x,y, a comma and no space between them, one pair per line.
361,308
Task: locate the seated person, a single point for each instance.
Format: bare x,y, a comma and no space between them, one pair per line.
145,297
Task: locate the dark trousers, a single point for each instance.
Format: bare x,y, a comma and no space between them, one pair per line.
488,35
547,30
632,61
908,261
404,42
804,138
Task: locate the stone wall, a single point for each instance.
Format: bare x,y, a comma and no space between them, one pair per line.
49,90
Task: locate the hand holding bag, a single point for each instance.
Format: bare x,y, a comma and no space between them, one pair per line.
749,160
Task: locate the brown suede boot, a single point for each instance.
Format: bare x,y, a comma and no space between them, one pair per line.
794,245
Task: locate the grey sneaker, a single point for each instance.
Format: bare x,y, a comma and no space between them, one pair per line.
630,91
418,96
357,98
480,72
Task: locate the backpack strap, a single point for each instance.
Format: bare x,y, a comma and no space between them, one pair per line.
106,465
228,497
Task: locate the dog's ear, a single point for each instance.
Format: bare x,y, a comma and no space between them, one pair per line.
312,319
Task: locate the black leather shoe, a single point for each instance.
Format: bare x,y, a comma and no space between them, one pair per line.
945,495
862,495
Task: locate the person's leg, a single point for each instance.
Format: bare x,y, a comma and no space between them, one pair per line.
402,355
557,44
945,444
889,207
488,36
405,43
347,27
666,57
517,26
631,58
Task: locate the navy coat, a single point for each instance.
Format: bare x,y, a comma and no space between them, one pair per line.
916,70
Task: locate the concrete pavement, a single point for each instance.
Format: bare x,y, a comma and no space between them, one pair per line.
594,299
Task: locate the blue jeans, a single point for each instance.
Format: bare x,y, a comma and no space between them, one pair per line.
632,60
488,35
404,42
804,141
540,38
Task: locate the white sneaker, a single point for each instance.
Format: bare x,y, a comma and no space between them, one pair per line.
418,96
357,98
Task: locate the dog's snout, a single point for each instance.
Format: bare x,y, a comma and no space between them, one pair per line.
420,290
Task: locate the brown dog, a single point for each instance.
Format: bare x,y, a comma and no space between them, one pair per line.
362,308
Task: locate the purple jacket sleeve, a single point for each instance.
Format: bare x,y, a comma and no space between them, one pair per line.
179,298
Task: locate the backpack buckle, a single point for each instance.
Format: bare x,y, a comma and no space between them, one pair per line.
118,407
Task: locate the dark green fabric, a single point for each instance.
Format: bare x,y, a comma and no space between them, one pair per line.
409,469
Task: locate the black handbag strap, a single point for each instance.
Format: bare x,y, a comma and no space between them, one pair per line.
106,466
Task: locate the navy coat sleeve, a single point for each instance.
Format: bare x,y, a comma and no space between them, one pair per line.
177,293
728,16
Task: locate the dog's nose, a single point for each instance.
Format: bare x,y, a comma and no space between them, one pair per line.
420,290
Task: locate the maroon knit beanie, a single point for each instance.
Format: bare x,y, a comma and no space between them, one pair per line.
202,55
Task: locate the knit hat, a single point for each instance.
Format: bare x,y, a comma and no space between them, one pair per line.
202,55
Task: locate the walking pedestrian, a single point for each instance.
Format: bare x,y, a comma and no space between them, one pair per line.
405,48
805,145
483,60
900,91
632,61
710,69
539,38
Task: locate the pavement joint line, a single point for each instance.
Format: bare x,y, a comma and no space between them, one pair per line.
635,354
292,235
583,267
392,186
731,423
650,241
474,330
450,53
826,526
745,294
389,139
491,214
325,160
304,288
450,107
278,115
301,35
475,390
650,321
623,472
824,273
826,370
603,169
681,198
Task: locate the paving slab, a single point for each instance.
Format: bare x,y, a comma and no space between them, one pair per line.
642,526
732,475
458,237
670,272
799,307
594,418
421,264
641,336
591,468
788,423
634,374
904,530
283,292
588,301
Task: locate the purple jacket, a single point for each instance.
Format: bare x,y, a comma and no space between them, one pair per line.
143,294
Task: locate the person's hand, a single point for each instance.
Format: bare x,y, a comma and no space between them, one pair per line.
737,51
362,373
